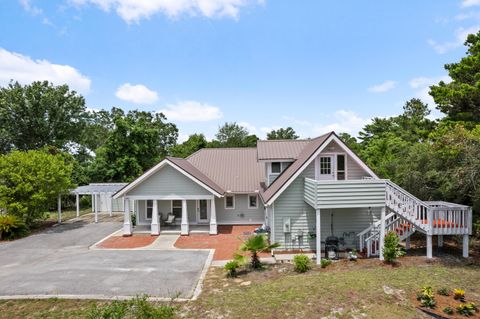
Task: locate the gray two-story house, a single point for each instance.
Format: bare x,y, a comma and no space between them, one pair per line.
303,190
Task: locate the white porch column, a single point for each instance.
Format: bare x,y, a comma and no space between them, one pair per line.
184,227
318,237
440,240
465,246
127,219
155,227
429,247
382,234
110,203
96,208
93,203
213,218
77,202
59,207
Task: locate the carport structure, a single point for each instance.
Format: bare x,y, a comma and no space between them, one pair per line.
101,198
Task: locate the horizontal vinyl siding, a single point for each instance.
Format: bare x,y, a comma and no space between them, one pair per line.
241,214
291,204
350,194
168,181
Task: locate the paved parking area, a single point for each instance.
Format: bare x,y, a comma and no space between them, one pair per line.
57,262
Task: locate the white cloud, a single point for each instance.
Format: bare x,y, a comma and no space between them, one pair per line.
383,87
460,37
191,111
30,8
250,128
470,3
342,122
136,10
21,68
469,15
138,93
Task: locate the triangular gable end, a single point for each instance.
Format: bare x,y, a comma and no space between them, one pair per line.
182,176
332,137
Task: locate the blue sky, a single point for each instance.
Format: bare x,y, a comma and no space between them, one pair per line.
313,65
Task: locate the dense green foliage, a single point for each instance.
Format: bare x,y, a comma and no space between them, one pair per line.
38,115
302,263
282,134
233,135
138,308
31,181
11,227
138,141
391,248
190,146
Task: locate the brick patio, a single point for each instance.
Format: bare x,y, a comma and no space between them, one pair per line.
120,242
226,243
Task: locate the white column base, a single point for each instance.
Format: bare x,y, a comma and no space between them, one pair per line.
184,229
213,229
155,231
465,246
127,229
429,247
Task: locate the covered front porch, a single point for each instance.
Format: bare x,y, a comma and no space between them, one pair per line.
171,214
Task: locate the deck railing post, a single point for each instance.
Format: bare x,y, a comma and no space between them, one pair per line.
382,233
318,237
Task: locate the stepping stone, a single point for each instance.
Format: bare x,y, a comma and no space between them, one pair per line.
246,283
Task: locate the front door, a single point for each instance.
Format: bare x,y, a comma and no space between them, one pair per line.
326,168
202,211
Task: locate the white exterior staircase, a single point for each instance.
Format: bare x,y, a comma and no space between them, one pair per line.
407,214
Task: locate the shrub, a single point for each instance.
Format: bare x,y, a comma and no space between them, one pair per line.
325,262
391,248
448,310
134,219
231,268
459,294
11,227
302,263
443,292
135,308
426,297
255,245
467,309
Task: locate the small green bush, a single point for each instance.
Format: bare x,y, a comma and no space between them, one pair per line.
325,262
231,268
443,291
11,227
134,220
426,297
467,309
302,263
139,308
448,310
391,248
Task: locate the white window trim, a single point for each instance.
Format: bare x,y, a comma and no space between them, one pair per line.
225,201
272,172
256,201
146,209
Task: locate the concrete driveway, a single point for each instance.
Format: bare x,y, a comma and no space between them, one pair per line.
58,262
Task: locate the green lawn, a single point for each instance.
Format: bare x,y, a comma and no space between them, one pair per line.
344,289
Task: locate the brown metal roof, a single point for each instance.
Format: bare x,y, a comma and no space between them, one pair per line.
236,170
280,149
195,172
303,157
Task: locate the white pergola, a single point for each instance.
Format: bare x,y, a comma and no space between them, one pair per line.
95,190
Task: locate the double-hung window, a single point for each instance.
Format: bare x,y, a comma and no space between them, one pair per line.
177,208
230,202
149,211
252,201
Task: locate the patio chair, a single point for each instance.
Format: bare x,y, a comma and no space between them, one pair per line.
170,220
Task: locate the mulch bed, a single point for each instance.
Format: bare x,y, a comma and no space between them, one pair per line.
442,303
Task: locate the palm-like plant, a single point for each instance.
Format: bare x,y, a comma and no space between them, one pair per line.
255,245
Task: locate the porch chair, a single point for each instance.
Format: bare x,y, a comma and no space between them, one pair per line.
170,220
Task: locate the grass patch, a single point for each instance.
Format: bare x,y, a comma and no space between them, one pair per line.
366,288
66,215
